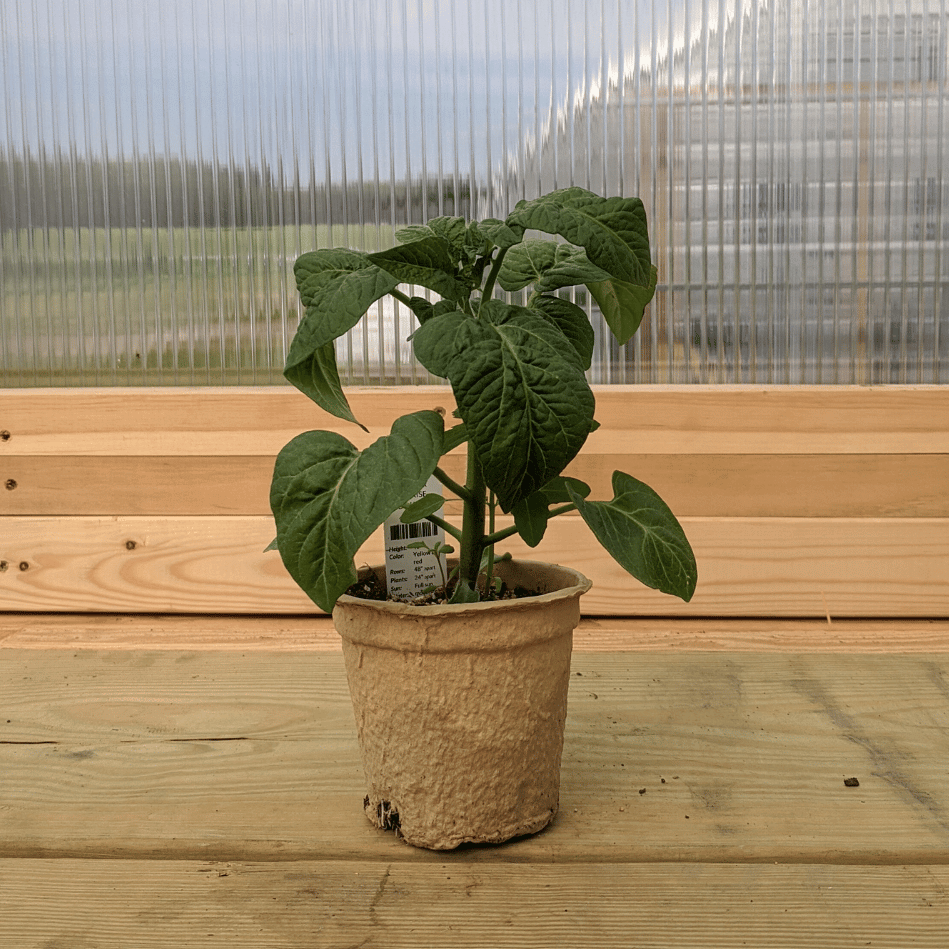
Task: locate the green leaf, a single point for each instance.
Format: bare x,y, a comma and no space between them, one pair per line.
454,232
502,234
420,509
425,309
414,232
642,535
557,490
612,231
571,267
317,377
525,263
427,262
464,593
572,321
336,288
548,265
327,497
532,514
530,518
622,304
520,391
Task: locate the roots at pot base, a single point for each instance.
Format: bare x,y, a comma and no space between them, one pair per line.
460,709
383,815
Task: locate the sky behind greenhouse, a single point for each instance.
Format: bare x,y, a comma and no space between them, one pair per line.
118,78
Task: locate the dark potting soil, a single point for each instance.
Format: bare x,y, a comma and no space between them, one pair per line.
373,587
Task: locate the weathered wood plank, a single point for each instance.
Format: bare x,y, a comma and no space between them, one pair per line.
169,904
644,419
244,634
747,566
694,485
714,757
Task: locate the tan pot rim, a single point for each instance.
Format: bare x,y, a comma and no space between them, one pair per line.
564,587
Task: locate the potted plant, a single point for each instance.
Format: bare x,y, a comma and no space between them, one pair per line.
460,705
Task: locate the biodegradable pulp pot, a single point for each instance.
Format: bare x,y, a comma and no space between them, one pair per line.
460,709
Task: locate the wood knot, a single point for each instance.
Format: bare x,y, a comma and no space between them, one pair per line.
5,436
9,484
130,545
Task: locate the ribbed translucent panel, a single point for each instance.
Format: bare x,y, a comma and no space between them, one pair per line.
161,166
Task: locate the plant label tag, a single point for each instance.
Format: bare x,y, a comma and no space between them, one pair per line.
411,571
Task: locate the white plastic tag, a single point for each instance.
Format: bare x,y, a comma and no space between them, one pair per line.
412,571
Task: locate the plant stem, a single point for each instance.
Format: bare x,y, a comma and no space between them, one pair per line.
500,535
451,484
401,297
496,537
445,526
489,571
472,531
493,275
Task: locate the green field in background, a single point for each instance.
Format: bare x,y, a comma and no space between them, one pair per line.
153,306
41,247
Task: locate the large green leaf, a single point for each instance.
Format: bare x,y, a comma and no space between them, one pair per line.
500,233
612,231
453,231
532,514
425,309
327,497
520,390
622,304
547,265
318,377
336,287
525,263
642,535
571,267
427,262
572,321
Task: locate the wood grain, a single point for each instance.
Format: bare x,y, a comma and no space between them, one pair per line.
716,757
191,633
170,904
693,485
652,419
748,566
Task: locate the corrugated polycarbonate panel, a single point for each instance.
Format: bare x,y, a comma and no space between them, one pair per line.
162,167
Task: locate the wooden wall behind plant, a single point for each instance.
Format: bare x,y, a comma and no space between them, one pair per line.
799,501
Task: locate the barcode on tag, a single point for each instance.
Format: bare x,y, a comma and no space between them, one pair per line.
410,571
412,531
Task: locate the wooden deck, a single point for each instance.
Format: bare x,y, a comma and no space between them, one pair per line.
182,781
173,775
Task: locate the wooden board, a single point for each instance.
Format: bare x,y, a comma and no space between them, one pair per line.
715,757
748,566
169,904
801,501
191,633
643,419
693,485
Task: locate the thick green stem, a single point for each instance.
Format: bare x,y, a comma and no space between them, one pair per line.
493,275
489,547
448,528
451,484
401,297
472,530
